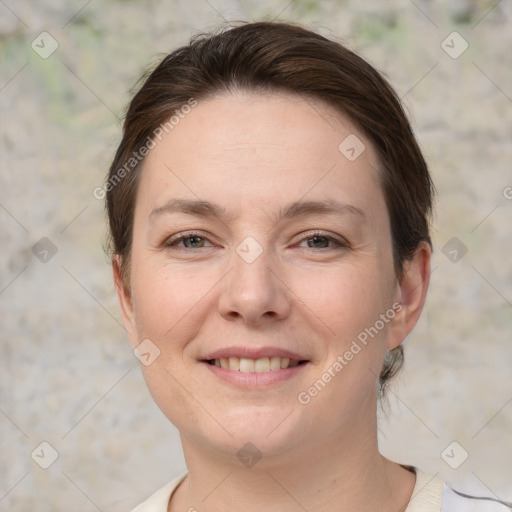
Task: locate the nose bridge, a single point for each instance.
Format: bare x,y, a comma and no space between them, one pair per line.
253,291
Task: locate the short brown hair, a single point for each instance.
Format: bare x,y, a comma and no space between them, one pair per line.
273,57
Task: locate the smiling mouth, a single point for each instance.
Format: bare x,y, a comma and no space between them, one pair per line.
261,365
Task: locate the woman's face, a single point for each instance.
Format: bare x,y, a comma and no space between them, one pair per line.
262,243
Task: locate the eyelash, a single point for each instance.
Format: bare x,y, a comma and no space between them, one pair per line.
339,244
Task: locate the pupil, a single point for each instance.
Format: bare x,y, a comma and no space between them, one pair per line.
192,240
318,241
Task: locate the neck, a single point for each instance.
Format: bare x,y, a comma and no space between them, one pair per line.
340,471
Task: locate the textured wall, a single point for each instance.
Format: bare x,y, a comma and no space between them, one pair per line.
68,376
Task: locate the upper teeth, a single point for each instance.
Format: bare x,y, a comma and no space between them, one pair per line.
263,364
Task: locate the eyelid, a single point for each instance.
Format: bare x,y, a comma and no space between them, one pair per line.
340,242
174,240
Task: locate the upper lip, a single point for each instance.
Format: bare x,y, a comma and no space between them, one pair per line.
254,353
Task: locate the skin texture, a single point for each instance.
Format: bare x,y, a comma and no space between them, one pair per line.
253,155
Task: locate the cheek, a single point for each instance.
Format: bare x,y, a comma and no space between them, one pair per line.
170,388
168,300
346,304
347,297
170,306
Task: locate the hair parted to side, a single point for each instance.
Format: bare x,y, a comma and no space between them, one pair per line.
272,57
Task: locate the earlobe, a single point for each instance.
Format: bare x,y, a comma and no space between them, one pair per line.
412,292
125,299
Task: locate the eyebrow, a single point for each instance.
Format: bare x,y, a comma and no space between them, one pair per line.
201,208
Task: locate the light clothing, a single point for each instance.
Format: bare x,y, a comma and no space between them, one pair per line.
429,495
159,501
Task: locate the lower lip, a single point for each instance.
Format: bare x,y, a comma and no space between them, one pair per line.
254,379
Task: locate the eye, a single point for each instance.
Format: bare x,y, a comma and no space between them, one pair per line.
318,240
190,241
193,240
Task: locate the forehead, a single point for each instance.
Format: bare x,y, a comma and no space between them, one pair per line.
242,150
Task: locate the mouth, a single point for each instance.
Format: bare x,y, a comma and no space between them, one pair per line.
254,367
260,365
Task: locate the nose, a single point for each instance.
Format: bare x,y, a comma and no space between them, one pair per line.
254,292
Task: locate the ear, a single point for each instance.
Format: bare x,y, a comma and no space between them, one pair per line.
125,300
411,294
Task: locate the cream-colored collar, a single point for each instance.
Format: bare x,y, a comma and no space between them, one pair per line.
427,494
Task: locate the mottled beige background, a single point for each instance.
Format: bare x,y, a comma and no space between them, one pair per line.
68,376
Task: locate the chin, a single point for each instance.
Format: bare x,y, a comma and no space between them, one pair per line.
272,430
